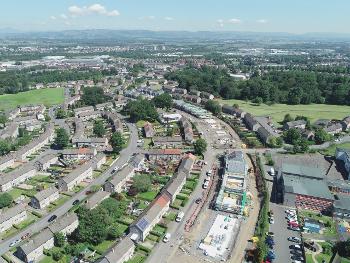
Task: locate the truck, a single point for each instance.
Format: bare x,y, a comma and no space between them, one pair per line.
179,217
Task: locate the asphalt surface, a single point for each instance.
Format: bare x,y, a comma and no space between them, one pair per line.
124,157
164,251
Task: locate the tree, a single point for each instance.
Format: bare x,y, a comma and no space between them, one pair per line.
94,95
141,109
287,118
99,129
114,208
275,142
5,147
163,101
61,114
258,100
3,119
301,146
60,239
117,142
5,200
236,106
62,138
142,182
93,225
292,136
114,232
213,106
343,248
200,146
321,136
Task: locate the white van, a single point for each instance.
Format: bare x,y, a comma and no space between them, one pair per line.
272,171
166,238
179,217
206,184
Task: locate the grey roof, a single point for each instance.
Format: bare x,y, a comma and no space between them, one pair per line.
6,158
186,163
78,151
8,177
75,173
136,160
88,108
235,163
343,202
306,186
37,241
63,222
47,158
301,170
295,123
11,212
89,113
96,198
42,195
118,251
175,182
334,127
121,175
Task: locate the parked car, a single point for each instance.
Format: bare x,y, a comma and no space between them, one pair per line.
293,228
179,216
296,246
52,218
294,239
198,200
166,238
271,220
13,243
271,234
75,202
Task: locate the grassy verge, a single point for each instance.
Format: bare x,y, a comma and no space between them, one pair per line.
331,149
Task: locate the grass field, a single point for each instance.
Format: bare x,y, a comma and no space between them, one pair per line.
277,111
47,97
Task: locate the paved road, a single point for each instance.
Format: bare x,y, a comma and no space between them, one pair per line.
163,250
125,155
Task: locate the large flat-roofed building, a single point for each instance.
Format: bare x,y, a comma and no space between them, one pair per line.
232,195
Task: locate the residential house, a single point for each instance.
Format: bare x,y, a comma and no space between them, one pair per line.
16,177
299,124
187,130
86,116
74,178
79,154
251,122
34,125
192,98
79,111
187,163
344,156
104,106
45,162
65,224
6,161
10,131
237,112
99,143
43,198
94,200
117,183
120,253
114,120
307,134
334,128
167,142
149,218
321,123
33,250
37,143
164,154
12,216
148,130
25,120
207,95
175,184
99,160
346,123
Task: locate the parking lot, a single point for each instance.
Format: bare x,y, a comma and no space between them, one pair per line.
281,231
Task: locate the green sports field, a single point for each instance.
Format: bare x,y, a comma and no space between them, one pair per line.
277,111
47,97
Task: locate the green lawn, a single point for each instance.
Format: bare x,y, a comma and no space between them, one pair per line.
330,230
47,97
103,246
331,149
148,196
277,111
320,257
344,260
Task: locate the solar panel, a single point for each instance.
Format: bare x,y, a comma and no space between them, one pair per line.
142,224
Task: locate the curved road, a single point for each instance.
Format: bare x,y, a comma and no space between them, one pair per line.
124,157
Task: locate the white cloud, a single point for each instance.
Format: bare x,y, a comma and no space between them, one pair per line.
64,16
147,18
53,17
234,21
168,18
220,22
97,9
261,21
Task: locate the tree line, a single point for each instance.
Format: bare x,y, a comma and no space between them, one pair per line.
291,87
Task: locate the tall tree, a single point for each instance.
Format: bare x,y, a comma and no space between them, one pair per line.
62,138
117,142
164,101
99,128
200,146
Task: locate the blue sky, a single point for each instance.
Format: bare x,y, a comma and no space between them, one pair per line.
294,16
